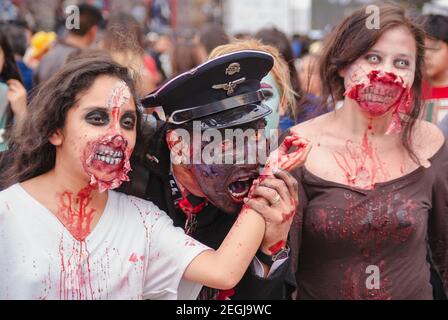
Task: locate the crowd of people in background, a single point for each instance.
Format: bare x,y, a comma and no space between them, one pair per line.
154,58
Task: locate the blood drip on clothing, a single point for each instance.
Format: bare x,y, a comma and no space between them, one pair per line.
74,212
75,277
371,227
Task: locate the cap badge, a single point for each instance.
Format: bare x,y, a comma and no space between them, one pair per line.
233,68
230,86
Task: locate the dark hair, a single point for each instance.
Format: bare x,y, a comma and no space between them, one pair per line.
211,36
123,32
351,40
9,71
31,152
184,56
16,37
436,26
89,16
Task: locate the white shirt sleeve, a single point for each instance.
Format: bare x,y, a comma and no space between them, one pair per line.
170,253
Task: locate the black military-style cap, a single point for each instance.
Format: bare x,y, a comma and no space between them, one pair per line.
222,92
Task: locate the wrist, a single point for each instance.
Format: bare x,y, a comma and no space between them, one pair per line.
269,259
272,249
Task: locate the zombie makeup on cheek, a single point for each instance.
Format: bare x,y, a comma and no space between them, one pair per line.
106,159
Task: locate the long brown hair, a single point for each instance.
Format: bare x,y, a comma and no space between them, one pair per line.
352,39
31,152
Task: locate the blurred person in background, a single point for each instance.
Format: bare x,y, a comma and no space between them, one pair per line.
309,75
305,108
308,71
185,56
300,45
435,88
18,39
123,39
161,48
12,93
209,37
77,38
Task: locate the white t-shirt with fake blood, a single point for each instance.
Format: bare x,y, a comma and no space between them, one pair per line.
134,252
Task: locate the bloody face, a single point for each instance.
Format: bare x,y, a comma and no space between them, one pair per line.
226,185
100,132
383,92
380,81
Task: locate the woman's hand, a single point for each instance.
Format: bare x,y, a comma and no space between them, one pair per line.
275,194
276,199
16,96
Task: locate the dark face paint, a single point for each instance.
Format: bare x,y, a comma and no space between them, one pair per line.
226,185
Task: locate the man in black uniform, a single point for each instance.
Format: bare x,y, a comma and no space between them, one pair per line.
204,197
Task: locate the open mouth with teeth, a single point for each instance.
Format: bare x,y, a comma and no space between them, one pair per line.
108,155
381,94
106,161
108,158
239,189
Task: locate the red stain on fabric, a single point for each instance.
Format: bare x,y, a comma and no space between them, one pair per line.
74,212
133,257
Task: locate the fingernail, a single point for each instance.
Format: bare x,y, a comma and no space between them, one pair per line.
246,200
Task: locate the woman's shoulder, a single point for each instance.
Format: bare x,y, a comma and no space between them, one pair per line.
8,191
428,140
8,197
310,128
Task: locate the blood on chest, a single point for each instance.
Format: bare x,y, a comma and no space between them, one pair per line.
369,223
